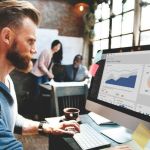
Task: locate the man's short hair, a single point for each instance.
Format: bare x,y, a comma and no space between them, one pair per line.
12,12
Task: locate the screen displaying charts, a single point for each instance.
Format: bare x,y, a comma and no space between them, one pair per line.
123,78
126,81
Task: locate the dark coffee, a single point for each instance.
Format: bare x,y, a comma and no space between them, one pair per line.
72,110
71,113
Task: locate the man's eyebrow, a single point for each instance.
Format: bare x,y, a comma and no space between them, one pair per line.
32,39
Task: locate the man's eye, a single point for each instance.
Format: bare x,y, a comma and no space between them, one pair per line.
31,42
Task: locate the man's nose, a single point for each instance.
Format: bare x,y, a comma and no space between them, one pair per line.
33,50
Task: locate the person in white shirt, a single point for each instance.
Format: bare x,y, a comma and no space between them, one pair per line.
76,71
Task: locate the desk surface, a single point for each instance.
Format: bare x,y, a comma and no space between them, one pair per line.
68,143
63,84
46,86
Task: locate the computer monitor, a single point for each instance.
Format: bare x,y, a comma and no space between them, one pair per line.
120,90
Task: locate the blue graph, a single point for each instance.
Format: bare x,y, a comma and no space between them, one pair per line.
123,81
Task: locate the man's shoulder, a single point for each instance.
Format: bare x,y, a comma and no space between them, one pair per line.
8,77
4,91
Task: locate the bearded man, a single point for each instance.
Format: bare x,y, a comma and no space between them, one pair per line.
18,24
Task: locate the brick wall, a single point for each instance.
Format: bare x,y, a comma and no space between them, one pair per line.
59,14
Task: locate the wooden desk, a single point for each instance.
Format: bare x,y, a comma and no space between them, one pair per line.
68,143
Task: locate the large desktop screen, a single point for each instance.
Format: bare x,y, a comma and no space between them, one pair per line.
120,90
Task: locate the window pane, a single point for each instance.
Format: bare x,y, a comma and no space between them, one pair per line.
96,47
128,5
97,30
115,42
145,23
98,12
127,24
105,29
126,40
105,11
145,38
117,6
146,1
104,44
116,25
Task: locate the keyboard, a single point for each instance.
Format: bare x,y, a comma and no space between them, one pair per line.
89,138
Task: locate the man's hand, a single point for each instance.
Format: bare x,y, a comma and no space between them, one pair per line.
61,128
123,147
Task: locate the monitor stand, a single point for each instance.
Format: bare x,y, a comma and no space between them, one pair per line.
119,134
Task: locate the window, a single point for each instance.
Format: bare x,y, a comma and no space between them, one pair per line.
145,24
97,30
114,24
145,38
117,7
96,47
101,28
122,23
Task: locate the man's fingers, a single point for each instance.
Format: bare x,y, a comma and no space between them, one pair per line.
74,124
62,132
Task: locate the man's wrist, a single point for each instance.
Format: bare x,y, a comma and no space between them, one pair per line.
44,128
40,127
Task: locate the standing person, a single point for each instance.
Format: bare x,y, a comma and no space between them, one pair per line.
58,56
42,69
18,23
76,71
58,69
42,72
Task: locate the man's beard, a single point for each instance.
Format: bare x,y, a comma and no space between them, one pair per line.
20,62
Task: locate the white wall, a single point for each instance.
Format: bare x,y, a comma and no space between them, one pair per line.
71,45
44,39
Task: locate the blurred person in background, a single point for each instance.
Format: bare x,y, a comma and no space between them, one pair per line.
42,69
76,71
42,73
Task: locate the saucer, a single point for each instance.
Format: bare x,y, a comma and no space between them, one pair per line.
64,119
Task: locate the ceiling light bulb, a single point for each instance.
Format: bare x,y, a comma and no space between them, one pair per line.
81,8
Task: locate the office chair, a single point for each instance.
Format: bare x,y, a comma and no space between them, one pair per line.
69,96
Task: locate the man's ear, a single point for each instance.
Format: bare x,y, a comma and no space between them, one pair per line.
7,35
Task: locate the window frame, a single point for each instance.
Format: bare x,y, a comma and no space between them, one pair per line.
136,24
